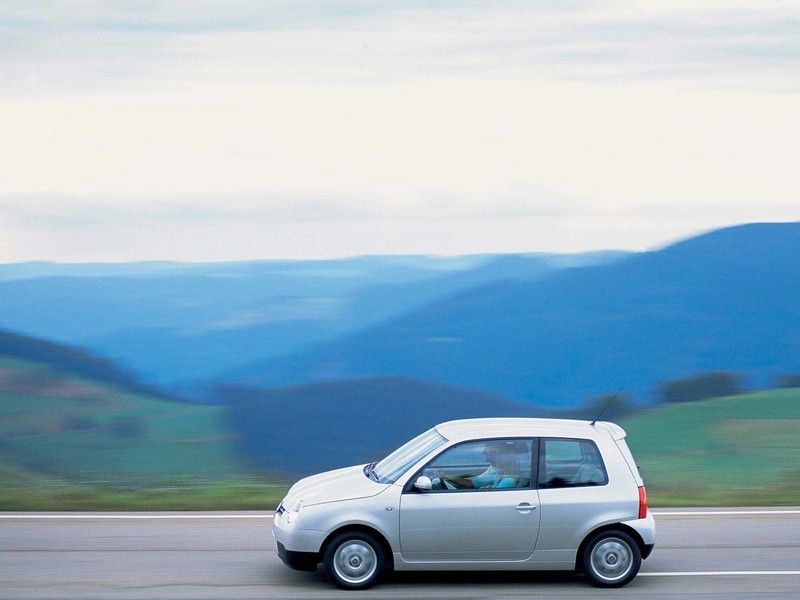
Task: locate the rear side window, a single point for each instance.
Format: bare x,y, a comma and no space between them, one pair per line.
570,463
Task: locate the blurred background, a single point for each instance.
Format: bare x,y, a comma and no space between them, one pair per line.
240,244
215,385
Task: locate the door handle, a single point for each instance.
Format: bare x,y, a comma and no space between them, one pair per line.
524,508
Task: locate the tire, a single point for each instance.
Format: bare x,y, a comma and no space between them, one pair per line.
354,560
611,559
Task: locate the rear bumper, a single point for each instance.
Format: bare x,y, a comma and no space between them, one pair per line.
646,528
300,561
647,550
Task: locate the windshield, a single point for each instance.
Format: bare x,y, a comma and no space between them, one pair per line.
398,462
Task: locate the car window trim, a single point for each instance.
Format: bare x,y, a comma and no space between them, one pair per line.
409,488
537,448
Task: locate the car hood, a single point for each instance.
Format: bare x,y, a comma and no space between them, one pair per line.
333,486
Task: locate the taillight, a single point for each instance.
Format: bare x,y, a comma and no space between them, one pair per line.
642,502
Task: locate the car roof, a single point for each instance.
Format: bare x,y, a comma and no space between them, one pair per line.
467,429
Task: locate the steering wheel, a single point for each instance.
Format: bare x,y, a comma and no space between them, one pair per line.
436,478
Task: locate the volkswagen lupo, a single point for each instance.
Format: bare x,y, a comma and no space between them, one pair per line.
476,494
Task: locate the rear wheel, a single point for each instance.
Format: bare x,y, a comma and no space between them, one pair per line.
611,559
354,560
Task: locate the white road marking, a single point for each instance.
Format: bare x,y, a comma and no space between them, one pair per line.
130,517
120,516
699,513
715,573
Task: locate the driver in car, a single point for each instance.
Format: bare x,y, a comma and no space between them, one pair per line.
502,462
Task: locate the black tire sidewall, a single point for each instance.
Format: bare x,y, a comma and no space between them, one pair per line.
587,553
330,551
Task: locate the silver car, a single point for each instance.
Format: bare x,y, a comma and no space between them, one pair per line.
476,494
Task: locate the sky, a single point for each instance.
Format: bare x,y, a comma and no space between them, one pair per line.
200,131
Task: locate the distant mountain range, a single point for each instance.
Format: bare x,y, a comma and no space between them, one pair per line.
548,330
175,322
726,300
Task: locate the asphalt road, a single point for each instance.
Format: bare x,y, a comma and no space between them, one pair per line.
724,553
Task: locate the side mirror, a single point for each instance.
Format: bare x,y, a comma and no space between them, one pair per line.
423,483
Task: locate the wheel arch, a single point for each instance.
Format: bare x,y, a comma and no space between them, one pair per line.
609,527
356,528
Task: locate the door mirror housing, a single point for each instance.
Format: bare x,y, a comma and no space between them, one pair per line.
423,484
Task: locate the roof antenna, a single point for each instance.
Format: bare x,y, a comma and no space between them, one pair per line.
606,405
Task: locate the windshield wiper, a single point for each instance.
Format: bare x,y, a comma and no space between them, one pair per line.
369,471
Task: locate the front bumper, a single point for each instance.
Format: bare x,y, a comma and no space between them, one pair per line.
298,548
300,561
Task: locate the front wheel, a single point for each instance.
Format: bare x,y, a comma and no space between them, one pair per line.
354,561
611,559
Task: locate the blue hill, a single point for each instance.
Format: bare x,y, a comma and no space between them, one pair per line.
174,322
69,360
725,300
315,427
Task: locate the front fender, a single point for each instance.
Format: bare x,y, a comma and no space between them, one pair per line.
380,512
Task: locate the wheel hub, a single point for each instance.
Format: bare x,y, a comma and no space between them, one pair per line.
355,561
611,559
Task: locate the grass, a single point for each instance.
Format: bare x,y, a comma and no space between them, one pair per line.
68,443
21,491
85,431
73,444
739,450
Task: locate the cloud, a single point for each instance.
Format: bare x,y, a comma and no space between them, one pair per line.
54,212
100,45
207,130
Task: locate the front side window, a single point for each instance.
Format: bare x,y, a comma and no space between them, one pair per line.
570,463
482,465
398,462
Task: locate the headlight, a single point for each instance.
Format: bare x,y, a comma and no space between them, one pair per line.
291,516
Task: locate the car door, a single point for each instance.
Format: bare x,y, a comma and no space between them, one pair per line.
574,492
484,505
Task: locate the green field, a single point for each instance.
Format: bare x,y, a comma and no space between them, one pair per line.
73,444
21,490
740,450
85,431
